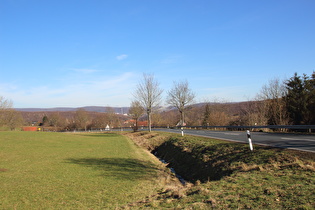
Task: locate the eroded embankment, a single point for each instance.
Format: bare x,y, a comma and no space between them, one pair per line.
195,158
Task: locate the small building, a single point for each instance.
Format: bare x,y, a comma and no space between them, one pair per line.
29,128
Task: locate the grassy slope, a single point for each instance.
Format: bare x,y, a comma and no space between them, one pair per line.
62,171
264,179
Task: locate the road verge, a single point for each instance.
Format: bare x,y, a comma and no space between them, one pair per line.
228,175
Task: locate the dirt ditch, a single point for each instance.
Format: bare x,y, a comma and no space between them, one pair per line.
186,165
204,162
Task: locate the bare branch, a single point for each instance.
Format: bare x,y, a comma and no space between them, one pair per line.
148,94
180,96
135,111
5,103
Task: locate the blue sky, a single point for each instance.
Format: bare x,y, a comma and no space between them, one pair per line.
74,53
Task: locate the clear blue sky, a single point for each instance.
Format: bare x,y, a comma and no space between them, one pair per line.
72,53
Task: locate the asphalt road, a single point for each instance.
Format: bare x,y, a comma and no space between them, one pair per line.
302,142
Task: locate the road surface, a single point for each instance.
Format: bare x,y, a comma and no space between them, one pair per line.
304,142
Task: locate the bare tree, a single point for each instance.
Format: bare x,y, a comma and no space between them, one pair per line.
13,119
5,111
272,96
5,103
180,96
112,117
148,93
268,108
254,113
167,118
81,118
216,112
100,120
56,120
135,111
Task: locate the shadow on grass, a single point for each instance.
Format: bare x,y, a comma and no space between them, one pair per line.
202,162
120,168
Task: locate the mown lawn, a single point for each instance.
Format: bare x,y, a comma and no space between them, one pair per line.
41,170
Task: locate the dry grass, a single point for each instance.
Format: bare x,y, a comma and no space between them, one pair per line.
265,179
147,140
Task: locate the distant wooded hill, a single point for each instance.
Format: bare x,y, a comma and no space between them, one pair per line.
218,114
120,110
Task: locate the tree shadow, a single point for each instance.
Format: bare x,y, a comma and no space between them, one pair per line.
192,165
119,168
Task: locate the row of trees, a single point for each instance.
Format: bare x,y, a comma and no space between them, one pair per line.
285,102
148,97
281,103
79,120
10,119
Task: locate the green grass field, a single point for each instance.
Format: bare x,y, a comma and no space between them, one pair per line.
41,170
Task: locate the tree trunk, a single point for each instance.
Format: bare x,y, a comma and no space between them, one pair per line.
149,120
182,116
136,127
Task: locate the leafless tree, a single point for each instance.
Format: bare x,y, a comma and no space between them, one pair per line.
216,113
100,121
56,120
180,96
135,111
112,117
253,112
13,119
272,95
148,93
166,118
5,103
81,118
9,118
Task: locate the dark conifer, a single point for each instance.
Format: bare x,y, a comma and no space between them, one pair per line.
300,99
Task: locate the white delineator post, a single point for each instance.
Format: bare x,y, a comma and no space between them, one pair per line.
182,131
249,140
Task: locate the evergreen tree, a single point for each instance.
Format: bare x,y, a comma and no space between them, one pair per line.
311,99
45,121
300,99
